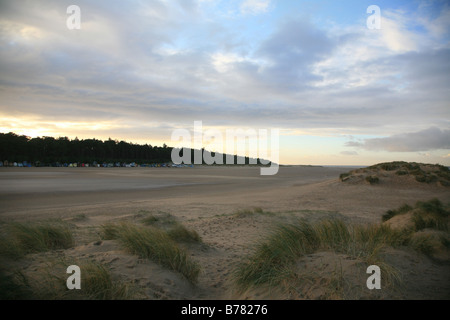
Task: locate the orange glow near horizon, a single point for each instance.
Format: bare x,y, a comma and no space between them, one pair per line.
296,146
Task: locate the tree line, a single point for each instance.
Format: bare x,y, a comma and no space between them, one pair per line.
50,151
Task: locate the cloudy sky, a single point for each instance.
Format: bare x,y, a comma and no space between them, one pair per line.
338,91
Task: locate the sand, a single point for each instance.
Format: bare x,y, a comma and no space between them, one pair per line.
206,199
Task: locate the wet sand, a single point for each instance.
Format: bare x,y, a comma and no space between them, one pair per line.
27,189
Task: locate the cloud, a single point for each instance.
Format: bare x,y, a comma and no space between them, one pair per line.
395,33
170,62
254,6
281,63
425,140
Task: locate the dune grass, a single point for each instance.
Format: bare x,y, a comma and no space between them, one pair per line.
426,214
273,261
12,287
160,219
429,227
344,176
433,206
19,239
174,229
110,231
153,244
422,172
180,233
423,243
150,220
97,283
431,214
23,238
391,213
163,221
274,258
372,179
429,221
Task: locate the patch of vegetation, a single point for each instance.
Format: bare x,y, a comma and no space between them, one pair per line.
272,264
142,213
433,206
23,238
110,231
12,287
372,179
391,213
426,214
156,245
150,220
163,221
423,244
424,220
428,227
389,166
427,178
425,173
97,283
160,219
174,229
343,176
180,233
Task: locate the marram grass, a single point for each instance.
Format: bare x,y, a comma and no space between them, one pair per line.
180,233
274,258
431,214
154,244
97,283
23,238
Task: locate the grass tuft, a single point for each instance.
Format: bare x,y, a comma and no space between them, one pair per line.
426,214
272,263
344,176
156,245
109,231
12,287
433,206
150,220
97,283
180,233
23,238
372,179
401,210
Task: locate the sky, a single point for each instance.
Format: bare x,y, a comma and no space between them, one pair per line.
339,89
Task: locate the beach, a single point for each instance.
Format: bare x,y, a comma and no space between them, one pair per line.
207,200
50,189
